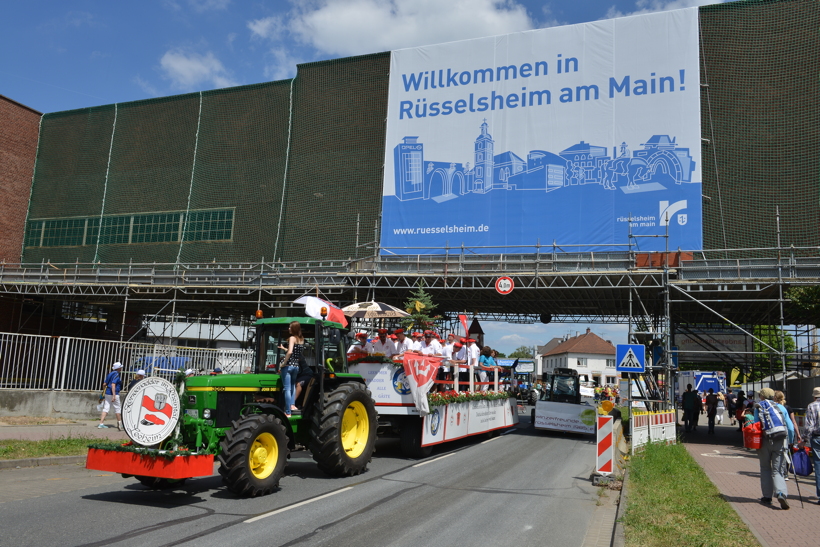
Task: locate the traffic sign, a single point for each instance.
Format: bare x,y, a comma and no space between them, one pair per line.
630,358
504,285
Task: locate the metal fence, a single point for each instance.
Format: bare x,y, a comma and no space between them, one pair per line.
80,364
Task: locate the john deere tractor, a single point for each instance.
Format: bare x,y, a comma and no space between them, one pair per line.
241,418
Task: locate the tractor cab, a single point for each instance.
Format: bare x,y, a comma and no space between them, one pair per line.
322,338
562,386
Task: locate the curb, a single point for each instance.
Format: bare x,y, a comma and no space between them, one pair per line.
618,539
41,462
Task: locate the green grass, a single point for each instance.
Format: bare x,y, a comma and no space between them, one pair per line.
671,501
64,446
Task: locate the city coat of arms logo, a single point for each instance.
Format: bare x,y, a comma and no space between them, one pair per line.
151,411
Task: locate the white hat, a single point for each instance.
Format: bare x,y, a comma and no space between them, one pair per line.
117,365
140,372
189,371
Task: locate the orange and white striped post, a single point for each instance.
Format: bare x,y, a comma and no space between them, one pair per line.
603,464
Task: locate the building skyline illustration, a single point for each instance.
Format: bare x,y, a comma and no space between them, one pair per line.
658,164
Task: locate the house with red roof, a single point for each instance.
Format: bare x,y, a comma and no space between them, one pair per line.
588,353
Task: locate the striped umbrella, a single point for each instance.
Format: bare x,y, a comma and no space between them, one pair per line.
368,310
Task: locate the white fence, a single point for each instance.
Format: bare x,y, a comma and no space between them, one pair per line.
80,364
650,427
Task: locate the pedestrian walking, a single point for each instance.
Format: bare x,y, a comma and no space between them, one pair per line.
812,437
711,409
778,433
731,405
721,408
690,402
113,386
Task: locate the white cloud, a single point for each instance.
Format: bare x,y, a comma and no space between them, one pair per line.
353,27
145,86
268,27
283,65
189,70
651,6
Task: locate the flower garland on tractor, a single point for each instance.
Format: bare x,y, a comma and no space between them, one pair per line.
440,398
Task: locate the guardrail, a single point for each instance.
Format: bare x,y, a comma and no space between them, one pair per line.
63,363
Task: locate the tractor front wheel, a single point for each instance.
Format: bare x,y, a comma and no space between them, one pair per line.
343,434
253,455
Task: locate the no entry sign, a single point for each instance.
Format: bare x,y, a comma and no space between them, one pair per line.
504,285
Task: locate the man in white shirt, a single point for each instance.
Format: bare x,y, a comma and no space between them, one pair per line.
416,341
472,356
381,345
460,359
430,346
359,347
402,343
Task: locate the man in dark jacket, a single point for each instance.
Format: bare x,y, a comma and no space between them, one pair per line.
690,401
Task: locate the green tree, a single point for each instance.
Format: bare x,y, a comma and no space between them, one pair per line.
502,355
806,303
420,306
770,363
522,352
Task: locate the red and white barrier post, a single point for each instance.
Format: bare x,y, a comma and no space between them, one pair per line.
604,464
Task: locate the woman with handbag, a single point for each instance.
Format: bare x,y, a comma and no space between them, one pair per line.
289,366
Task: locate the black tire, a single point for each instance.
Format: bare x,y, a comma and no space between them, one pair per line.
343,434
156,483
410,439
244,454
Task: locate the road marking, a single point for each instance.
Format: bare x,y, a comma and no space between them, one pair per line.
295,505
431,461
490,440
513,430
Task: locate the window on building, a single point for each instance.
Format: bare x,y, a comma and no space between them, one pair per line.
582,362
165,227
610,380
610,363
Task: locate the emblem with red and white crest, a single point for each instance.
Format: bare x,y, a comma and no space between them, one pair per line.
151,411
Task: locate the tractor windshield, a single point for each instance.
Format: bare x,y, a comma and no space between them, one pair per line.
272,338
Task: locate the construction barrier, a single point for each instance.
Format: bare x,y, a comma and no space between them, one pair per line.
649,427
604,464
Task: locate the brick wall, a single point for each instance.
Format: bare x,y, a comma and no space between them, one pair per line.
19,127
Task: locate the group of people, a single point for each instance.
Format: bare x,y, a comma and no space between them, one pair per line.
607,393
459,354
780,432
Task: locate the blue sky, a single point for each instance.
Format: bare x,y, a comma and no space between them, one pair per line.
67,54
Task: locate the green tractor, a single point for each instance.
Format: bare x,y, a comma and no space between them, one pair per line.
241,418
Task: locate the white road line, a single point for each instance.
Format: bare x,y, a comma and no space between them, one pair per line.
437,459
509,431
295,505
490,440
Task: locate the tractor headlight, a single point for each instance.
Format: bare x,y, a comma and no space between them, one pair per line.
206,413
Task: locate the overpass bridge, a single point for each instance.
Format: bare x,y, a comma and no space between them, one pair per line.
743,286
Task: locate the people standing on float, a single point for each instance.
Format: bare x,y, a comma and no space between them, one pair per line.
417,336
402,343
381,345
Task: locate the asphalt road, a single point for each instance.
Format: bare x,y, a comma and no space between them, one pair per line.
526,487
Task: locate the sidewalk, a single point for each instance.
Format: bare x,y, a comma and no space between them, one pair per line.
736,473
79,428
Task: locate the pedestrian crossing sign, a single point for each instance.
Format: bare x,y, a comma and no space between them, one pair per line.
630,358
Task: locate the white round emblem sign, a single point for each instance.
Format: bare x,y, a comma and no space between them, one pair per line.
151,411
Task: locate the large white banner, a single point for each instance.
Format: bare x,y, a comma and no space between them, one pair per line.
558,134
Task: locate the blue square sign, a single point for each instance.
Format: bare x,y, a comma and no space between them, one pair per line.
630,358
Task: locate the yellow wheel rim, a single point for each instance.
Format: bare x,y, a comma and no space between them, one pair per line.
355,429
263,456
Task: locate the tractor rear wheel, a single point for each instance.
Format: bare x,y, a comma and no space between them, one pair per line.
253,455
343,434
